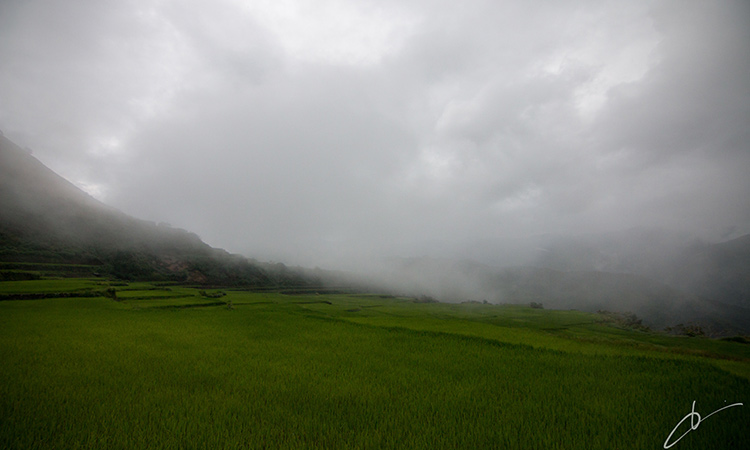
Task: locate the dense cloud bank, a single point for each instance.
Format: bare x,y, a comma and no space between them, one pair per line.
320,135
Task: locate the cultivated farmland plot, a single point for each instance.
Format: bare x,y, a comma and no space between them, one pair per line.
173,367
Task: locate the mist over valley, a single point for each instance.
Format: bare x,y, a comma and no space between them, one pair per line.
665,278
375,224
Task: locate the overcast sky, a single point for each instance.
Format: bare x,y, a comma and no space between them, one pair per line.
309,131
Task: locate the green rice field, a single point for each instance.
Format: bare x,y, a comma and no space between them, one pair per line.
167,367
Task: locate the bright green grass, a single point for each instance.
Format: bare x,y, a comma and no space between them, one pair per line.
572,331
362,372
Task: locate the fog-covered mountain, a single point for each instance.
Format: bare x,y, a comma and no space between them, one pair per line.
716,271
665,278
46,219
657,304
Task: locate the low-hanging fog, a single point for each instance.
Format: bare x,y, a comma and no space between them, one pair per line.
333,132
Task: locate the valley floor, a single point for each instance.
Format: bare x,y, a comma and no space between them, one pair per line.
114,365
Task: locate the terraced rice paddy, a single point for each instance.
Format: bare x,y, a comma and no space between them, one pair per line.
167,367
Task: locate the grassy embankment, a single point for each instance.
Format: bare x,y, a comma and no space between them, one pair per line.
159,369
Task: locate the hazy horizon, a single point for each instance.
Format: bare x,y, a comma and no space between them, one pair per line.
353,130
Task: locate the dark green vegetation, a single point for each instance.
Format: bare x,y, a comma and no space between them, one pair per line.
165,366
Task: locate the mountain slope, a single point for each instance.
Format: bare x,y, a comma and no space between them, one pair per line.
720,271
40,206
658,304
44,218
716,271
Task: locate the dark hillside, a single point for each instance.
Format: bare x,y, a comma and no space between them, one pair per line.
46,219
719,272
657,304
41,208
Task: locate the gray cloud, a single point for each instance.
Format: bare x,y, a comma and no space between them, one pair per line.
381,128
